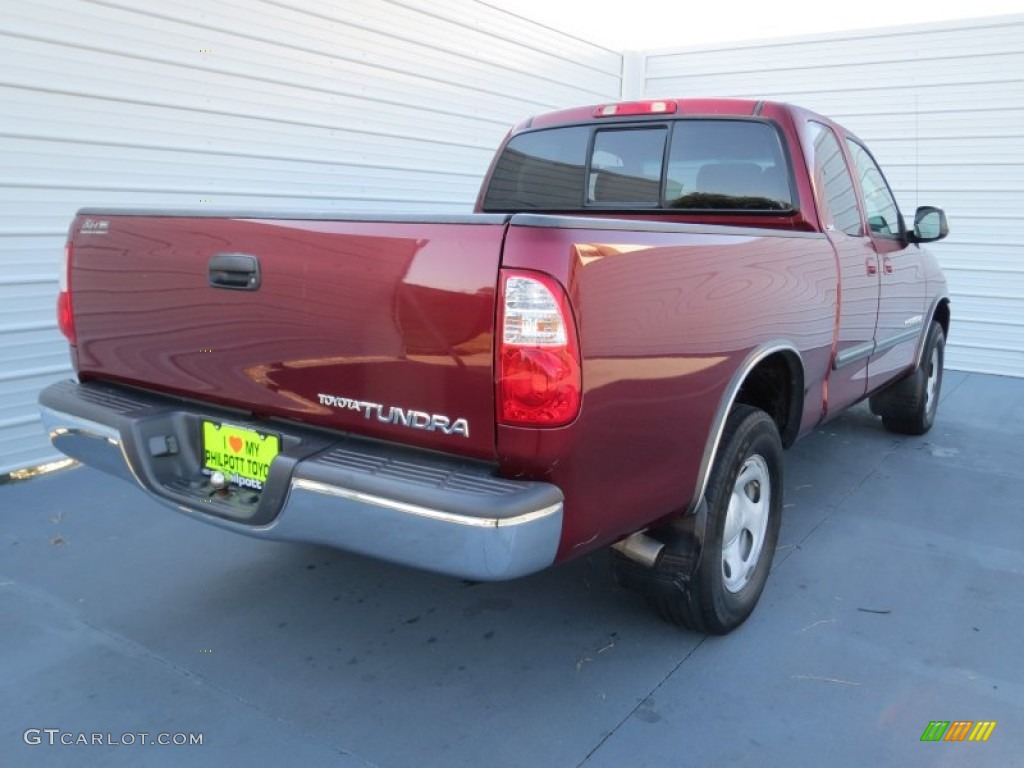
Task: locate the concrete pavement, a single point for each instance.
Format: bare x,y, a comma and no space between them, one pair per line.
897,598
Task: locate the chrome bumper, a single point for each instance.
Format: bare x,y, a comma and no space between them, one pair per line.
417,508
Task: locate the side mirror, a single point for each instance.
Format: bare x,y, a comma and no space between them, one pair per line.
929,225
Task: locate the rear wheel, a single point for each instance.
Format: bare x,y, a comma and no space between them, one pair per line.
909,406
744,507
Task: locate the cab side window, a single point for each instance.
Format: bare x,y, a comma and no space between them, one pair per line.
833,180
880,206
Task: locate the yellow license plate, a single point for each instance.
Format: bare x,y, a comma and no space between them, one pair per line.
243,455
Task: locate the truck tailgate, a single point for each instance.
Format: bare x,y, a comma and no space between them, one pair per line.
381,327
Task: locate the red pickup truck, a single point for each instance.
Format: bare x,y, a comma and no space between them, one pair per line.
650,302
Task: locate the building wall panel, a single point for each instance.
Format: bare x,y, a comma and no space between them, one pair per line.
942,107
287,105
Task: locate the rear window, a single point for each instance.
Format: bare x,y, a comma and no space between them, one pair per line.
690,164
541,170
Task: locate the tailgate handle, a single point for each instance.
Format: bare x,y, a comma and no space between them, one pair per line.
235,271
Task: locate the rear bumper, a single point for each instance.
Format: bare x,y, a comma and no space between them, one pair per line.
418,508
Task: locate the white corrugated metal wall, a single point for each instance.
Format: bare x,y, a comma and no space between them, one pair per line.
942,107
384,105
351,105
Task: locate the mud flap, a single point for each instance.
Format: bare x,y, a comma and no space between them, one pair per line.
676,565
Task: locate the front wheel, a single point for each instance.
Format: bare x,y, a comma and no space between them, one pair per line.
908,407
744,512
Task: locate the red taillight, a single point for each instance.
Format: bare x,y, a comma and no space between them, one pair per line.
65,313
637,108
538,358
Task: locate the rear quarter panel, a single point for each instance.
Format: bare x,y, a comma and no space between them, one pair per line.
665,319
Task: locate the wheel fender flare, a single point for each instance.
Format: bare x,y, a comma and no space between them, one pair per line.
927,324
725,405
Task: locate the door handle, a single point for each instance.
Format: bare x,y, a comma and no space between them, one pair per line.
234,271
872,265
887,265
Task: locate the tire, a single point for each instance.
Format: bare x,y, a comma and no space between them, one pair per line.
737,552
908,407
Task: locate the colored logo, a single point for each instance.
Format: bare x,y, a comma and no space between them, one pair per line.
958,730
